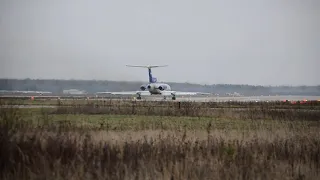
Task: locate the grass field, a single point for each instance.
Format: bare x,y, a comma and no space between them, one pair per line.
186,142
144,103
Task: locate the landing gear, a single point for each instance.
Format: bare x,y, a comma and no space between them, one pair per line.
139,96
164,97
173,96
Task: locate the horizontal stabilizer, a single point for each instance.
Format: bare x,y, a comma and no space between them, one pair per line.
151,66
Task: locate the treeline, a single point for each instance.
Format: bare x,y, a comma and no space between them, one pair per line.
92,86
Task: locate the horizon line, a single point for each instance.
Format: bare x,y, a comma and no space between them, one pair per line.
137,81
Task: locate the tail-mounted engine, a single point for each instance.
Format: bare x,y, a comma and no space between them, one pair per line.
162,87
143,88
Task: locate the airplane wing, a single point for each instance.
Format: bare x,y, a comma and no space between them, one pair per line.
147,93
182,93
142,93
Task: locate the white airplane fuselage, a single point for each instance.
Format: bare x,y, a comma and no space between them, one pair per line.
155,88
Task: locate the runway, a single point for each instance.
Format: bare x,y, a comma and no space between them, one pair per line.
179,98
241,99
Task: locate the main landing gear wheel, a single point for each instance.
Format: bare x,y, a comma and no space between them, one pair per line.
139,97
173,98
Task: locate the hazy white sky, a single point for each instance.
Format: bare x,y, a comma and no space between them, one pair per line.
265,42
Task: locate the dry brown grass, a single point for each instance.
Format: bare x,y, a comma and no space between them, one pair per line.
215,149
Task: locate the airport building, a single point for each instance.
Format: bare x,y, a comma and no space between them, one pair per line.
74,91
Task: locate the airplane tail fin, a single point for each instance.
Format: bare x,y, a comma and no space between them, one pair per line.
151,79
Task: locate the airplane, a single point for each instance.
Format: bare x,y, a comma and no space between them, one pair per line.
153,87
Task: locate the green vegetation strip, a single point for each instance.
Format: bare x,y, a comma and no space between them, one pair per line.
39,117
